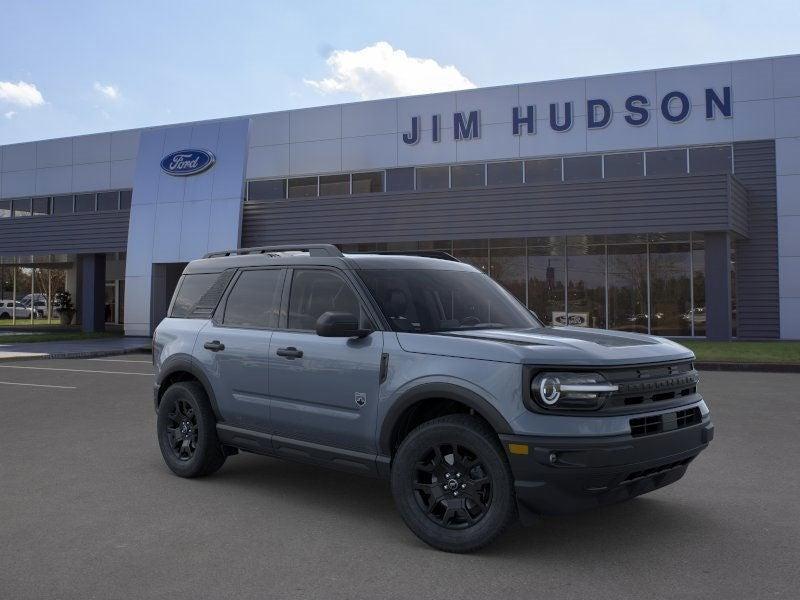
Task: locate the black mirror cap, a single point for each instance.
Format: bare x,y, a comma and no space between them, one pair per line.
340,324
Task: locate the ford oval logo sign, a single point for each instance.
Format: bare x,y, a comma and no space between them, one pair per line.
187,162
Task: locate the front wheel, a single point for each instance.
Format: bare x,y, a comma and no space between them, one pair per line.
452,484
187,432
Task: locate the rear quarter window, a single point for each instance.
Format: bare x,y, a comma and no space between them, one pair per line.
198,294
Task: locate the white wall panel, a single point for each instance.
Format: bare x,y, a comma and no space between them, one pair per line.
559,92
788,238
141,230
369,152
790,318
787,117
786,71
752,79
54,153
696,129
616,89
369,118
269,129
91,177
54,180
18,183
546,141
92,148
122,172
205,136
310,124
787,156
427,152
620,135
693,82
268,161
496,141
221,234
425,107
753,120
151,145
322,156
788,195
19,157
228,172
195,225
167,233
495,104
124,144
790,279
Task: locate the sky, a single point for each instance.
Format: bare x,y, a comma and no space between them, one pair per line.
85,66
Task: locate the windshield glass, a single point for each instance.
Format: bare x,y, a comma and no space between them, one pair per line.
432,301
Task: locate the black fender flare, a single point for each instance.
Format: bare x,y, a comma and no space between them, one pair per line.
448,391
184,363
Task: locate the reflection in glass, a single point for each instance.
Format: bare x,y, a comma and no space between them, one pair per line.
546,266
507,267
670,296
303,187
627,287
586,285
699,285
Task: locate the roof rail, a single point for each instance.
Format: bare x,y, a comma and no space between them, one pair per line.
440,254
312,249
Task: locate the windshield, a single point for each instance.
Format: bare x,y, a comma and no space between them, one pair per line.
432,301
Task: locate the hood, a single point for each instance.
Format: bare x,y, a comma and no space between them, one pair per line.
579,346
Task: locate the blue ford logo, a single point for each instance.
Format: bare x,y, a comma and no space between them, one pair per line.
187,162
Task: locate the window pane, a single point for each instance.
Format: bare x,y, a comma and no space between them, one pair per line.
192,289
468,175
577,168
41,206
546,275
5,209
666,162
315,292
670,298
543,171
272,189
400,180
623,165
504,173
108,201
84,202
334,185
586,283
22,207
627,287
715,159
125,199
367,183
433,178
62,205
253,301
303,187
699,285
507,267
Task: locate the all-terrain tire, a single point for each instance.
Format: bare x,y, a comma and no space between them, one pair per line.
462,500
187,432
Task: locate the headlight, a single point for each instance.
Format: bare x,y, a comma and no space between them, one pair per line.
571,390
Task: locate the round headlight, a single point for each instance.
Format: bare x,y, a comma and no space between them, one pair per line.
549,390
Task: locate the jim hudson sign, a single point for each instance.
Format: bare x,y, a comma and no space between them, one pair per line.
674,107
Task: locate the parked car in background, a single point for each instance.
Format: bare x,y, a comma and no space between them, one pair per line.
14,308
39,304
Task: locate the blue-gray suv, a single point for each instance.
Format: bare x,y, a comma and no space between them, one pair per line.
420,369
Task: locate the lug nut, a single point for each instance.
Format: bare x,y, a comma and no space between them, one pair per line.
455,493
463,485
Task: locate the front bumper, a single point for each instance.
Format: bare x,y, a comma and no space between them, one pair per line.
561,475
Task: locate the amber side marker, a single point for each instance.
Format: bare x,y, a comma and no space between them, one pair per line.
518,448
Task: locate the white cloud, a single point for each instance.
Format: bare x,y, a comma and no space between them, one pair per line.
10,114
109,91
20,93
380,71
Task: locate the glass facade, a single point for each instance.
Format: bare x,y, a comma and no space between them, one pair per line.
639,283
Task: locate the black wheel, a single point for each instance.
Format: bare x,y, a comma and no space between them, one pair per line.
452,484
5,315
187,433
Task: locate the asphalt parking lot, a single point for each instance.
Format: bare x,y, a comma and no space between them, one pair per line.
88,510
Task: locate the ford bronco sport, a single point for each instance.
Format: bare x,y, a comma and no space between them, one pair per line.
420,369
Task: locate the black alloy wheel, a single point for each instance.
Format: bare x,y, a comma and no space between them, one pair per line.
182,430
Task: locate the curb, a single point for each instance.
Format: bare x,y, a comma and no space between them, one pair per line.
87,354
758,367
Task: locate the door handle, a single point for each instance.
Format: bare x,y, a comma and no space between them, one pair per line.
290,352
215,346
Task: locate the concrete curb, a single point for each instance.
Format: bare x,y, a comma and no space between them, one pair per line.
758,367
87,354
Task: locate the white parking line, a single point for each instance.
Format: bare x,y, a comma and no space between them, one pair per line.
61,387
121,360
74,370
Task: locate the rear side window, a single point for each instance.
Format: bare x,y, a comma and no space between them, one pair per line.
198,294
254,300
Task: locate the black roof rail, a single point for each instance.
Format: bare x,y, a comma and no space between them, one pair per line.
312,249
440,254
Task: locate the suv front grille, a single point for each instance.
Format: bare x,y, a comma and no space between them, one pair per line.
651,384
653,424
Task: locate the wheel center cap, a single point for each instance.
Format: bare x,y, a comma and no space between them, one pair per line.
452,484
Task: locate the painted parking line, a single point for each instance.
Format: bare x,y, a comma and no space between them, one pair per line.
60,387
122,360
74,370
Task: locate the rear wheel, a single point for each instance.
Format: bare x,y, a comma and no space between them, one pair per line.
187,433
452,484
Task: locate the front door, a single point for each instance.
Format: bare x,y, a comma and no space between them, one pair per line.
233,348
324,390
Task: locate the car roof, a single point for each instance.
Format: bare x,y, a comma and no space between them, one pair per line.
346,261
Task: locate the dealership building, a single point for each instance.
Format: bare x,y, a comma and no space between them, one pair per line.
664,201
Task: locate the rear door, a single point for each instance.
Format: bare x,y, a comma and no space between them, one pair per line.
324,390
232,348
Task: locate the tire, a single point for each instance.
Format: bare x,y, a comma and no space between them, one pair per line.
5,316
187,432
458,506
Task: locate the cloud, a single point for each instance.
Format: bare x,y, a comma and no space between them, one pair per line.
380,71
109,91
10,114
20,93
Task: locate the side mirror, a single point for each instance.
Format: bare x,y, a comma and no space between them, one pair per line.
339,324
